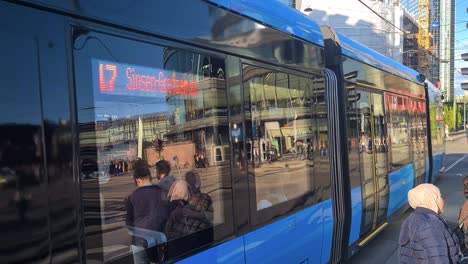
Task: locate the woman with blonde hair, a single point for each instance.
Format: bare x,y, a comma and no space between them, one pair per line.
425,236
184,217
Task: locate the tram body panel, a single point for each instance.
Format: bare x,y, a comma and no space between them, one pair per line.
356,201
231,251
401,181
290,238
438,160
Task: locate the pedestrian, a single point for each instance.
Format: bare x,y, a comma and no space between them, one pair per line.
463,217
425,236
147,213
447,136
163,168
466,130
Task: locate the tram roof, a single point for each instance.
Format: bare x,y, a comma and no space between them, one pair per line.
432,88
366,55
289,20
276,15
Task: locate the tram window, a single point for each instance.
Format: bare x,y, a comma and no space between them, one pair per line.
138,101
279,132
352,123
398,129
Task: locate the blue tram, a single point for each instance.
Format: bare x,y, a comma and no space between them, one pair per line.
306,141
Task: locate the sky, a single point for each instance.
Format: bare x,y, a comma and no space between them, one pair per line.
461,42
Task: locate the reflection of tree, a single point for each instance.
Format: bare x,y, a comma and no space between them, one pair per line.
158,146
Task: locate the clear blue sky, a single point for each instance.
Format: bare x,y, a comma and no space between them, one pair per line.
461,42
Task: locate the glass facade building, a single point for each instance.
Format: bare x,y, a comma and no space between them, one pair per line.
410,6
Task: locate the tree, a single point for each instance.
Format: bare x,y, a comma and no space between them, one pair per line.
158,146
459,119
448,117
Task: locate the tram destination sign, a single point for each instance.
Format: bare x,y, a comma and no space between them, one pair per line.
133,80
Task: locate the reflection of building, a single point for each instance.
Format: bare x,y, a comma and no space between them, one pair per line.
360,23
200,119
280,115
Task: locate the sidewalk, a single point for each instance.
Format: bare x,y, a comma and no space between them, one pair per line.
384,249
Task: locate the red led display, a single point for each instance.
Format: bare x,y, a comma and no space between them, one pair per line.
149,83
128,79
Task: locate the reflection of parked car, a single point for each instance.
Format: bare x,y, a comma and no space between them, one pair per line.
90,170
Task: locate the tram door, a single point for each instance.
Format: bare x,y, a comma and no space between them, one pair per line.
418,142
373,159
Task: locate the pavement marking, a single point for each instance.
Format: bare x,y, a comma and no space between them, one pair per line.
456,162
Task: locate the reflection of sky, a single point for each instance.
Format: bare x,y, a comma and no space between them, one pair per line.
120,109
122,102
146,59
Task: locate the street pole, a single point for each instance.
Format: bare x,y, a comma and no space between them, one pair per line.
454,114
464,114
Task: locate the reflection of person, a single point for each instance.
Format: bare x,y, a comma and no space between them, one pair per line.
425,236
300,150
200,201
147,209
185,218
363,143
163,168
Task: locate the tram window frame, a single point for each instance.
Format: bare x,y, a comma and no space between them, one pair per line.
392,112
262,217
223,231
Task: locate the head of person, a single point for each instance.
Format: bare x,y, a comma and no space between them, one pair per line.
179,191
427,196
193,180
141,173
465,186
163,168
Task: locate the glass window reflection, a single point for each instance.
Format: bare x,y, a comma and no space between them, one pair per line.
399,129
279,134
146,105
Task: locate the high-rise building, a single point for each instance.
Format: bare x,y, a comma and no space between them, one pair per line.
435,32
410,6
447,44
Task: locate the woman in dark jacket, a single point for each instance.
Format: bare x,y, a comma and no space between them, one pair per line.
185,218
425,236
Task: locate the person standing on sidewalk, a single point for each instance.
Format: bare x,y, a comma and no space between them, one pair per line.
447,136
466,130
425,237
